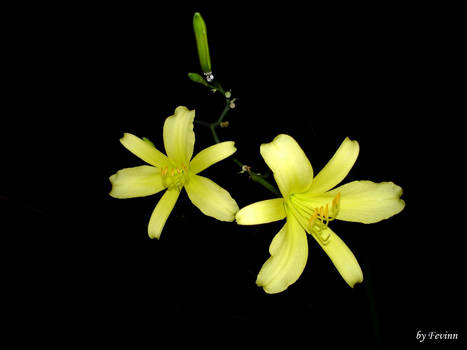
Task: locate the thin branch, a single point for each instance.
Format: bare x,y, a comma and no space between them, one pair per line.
255,177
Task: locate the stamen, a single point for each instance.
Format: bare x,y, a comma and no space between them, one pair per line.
321,217
174,177
313,218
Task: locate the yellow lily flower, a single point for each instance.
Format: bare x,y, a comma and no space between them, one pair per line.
309,204
175,171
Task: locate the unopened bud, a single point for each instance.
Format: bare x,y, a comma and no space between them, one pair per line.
197,78
201,36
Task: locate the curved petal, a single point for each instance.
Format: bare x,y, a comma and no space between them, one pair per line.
210,198
342,258
289,253
179,138
368,202
139,181
292,169
211,155
261,212
161,212
144,150
337,168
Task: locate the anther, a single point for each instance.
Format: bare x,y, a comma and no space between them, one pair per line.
313,218
336,199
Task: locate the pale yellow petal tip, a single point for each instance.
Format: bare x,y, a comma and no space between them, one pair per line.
269,290
183,111
278,139
154,235
112,180
348,139
230,211
230,147
282,137
153,232
356,281
397,190
243,217
229,215
239,216
113,177
234,149
354,143
273,287
235,210
262,212
127,135
128,140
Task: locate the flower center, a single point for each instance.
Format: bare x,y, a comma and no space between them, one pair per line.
174,177
316,220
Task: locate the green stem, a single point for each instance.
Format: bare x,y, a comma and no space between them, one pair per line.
213,131
258,178
200,122
255,177
224,113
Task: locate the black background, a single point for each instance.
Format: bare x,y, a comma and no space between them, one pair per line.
78,264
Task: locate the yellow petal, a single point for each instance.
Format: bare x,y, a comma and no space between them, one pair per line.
368,202
292,169
261,212
139,181
342,258
179,138
144,150
161,212
210,198
289,253
211,155
337,168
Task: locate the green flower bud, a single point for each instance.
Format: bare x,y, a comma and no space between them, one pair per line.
197,78
201,36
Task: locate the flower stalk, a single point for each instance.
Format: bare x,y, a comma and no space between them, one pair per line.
245,168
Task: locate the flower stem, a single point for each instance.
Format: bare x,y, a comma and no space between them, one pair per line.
213,131
224,112
255,177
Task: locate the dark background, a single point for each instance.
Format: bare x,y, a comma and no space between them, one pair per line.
78,264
